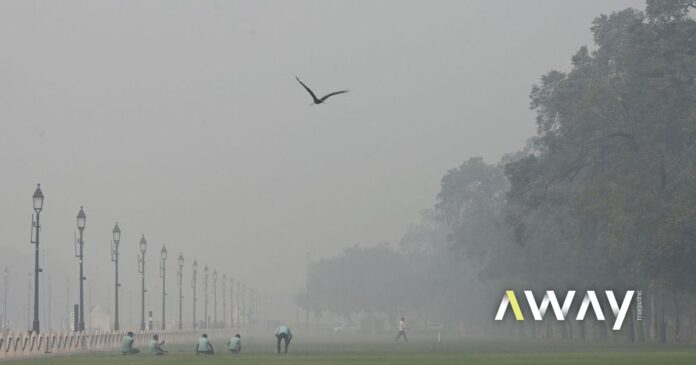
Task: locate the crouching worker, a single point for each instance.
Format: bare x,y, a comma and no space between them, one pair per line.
235,344
204,346
127,345
155,346
283,333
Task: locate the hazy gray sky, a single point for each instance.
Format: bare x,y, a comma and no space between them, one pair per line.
183,121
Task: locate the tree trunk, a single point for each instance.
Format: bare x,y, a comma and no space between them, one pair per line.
654,317
631,330
604,334
534,325
662,324
677,335
693,319
640,330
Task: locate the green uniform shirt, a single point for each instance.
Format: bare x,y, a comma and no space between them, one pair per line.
127,344
283,330
235,343
203,344
154,347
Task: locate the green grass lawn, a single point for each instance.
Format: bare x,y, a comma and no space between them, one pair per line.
418,351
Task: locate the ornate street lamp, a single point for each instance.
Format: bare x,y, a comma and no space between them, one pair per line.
224,301
231,303
179,281
116,238
163,274
6,275
38,200
239,307
205,289
28,299
193,285
141,271
81,222
245,319
215,322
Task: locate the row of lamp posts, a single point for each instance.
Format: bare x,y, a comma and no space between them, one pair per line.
38,200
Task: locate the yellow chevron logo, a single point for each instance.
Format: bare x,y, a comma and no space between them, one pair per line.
515,306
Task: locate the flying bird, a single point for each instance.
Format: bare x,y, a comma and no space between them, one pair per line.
314,97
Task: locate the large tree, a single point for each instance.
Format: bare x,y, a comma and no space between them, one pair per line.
612,165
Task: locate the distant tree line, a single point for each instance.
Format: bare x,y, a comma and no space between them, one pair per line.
603,197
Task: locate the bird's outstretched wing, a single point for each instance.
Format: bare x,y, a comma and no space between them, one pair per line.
308,89
332,94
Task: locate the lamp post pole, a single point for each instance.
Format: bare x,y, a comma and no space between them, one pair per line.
193,285
215,321
224,301
50,307
231,303
163,275
116,235
205,290
38,205
179,281
67,304
6,274
28,317
239,307
81,220
244,305
141,271
252,305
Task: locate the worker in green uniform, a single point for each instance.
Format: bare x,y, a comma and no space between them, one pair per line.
283,333
127,344
155,346
204,346
235,344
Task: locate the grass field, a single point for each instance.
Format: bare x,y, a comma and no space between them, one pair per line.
418,351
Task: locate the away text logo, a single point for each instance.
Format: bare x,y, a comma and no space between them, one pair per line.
561,311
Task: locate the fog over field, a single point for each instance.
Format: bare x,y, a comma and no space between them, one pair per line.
183,121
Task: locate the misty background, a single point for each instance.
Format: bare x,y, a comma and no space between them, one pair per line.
182,121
